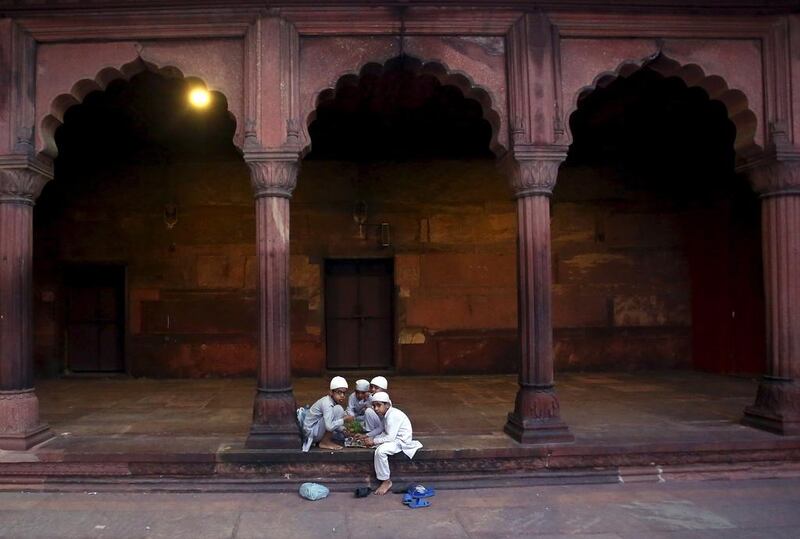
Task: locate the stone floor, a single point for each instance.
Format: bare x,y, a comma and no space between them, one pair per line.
745,509
447,412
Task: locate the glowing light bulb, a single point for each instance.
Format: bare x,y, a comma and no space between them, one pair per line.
199,97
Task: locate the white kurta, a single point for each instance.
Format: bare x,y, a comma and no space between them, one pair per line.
323,416
396,437
373,424
356,407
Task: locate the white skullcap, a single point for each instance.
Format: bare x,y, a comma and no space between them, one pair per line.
381,382
381,396
338,382
362,385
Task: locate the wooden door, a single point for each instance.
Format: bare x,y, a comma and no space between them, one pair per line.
95,318
728,328
358,313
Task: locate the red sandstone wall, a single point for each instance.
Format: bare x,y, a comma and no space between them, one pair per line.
621,270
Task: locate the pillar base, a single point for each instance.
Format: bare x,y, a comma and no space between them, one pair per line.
20,428
777,407
20,441
274,421
536,420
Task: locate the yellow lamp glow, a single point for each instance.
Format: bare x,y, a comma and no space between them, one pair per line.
199,97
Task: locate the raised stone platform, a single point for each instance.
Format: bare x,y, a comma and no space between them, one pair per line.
188,435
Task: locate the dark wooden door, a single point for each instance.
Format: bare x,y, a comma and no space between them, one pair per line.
95,310
358,313
728,328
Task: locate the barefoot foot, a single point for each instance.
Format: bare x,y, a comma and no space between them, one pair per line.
384,488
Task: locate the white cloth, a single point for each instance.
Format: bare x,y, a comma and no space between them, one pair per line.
396,437
373,424
323,416
355,407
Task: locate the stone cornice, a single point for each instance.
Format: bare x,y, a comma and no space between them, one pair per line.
139,25
40,165
584,18
648,6
605,25
273,173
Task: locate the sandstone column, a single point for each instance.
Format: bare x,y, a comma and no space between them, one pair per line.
20,185
536,417
777,406
273,175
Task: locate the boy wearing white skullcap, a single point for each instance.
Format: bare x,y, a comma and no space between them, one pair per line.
326,416
373,424
358,401
395,437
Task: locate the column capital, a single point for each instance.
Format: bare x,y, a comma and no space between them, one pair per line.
533,170
22,178
273,173
774,173
776,178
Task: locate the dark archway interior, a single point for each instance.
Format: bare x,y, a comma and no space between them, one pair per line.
397,113
658,134
145,120
669,151
149,194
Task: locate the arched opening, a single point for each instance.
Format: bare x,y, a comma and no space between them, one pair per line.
403,233
144,240
656,239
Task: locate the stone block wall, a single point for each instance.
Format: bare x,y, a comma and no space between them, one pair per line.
621,267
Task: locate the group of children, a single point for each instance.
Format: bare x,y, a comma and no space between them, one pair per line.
385,427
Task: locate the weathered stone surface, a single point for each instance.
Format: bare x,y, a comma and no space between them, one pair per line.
642,230
653,310
463,310
452,270
625,349
577,307
215,271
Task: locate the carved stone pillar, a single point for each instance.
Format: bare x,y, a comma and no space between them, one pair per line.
273,176
536,417
20,185
777,406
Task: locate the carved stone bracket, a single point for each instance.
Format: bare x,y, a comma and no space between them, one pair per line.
273,173
533,170
22,178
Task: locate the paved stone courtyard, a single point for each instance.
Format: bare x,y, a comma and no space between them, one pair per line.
745,509
447,412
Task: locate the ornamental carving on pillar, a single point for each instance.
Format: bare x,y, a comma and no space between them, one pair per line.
273,177
533,170
537,404
534,177
777,178
21,184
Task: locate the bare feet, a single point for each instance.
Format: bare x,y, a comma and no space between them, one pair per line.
329,445
384,488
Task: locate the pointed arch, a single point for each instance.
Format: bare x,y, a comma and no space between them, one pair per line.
81,89
735,101
438,70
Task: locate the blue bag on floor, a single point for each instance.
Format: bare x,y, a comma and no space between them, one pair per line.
313,491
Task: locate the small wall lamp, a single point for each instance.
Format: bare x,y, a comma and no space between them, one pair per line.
170,215
384,231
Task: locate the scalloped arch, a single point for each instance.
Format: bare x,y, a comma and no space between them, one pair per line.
436,69
63,102
693,76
